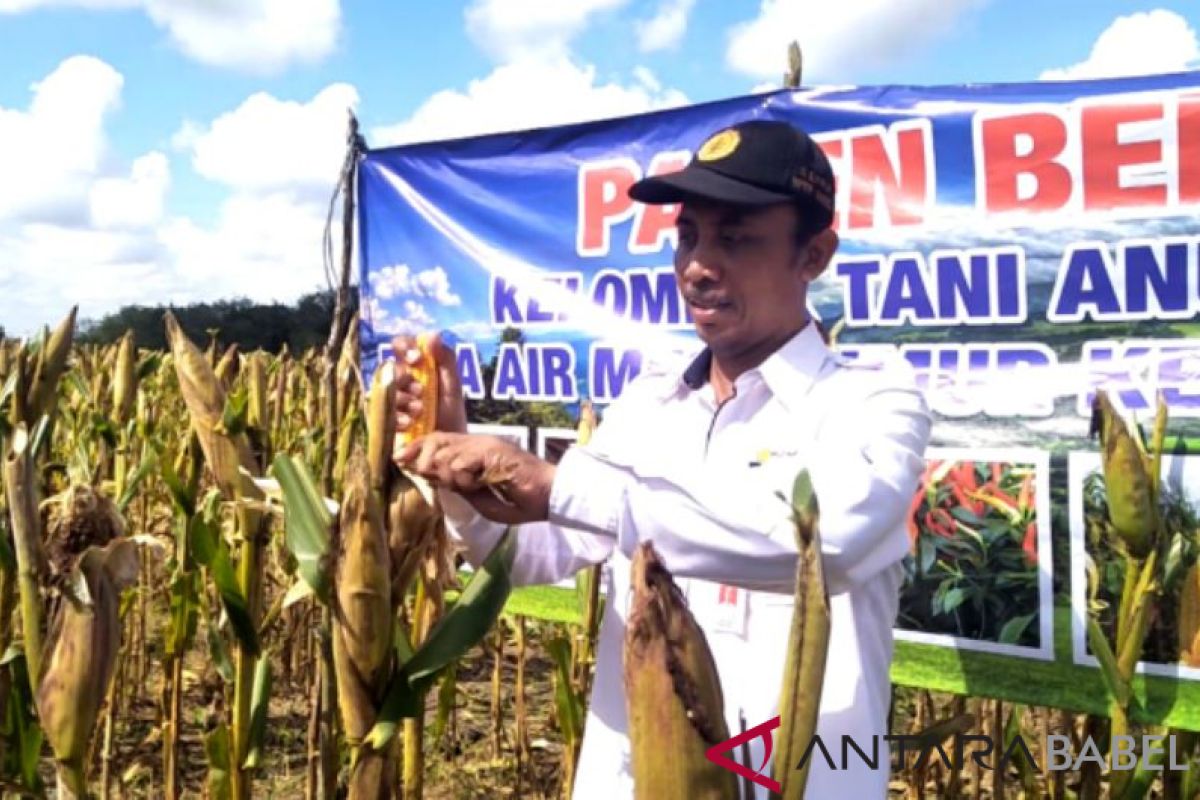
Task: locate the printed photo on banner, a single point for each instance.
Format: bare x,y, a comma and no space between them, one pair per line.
553,442
1099,563
979,575
517,434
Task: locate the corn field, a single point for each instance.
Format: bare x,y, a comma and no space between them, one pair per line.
215,583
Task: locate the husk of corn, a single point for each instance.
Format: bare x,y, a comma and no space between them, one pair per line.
125,379
258,414
381,429
78,518
228,367
362,626
1189,618
1130,490
204,396
672,692
83,655
51,360
808,646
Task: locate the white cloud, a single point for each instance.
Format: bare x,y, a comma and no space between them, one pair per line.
51,153
511,29
398,280
413,318
254,35
267,144
528,94
1144,43
665,30
842,39
133,202
264,247
81,227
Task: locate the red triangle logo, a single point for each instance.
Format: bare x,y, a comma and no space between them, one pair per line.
715,754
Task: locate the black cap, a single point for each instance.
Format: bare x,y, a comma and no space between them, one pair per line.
754,163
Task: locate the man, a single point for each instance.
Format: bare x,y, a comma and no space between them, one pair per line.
692,458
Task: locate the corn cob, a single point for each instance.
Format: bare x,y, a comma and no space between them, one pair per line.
425,372
205,401
1132,503
362,629
1189,618
82,657
125,379
808,645
672,692
257,412
228,367
381,428
51,361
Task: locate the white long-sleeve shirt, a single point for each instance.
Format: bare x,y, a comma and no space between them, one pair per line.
701,481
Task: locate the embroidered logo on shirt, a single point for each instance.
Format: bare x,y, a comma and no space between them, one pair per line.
765,455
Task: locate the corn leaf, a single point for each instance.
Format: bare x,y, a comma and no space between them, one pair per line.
259,700
20,725
219,653
566,702
1118,687
447,694
307,523
183,496
216,747
459,630
147,465
236,607
1024,767
184,613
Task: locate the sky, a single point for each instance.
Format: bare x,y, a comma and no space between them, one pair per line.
174,151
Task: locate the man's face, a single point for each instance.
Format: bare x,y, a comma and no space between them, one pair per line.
743,274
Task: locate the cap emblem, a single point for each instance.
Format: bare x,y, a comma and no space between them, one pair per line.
719,145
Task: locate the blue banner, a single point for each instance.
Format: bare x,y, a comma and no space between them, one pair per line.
1020,245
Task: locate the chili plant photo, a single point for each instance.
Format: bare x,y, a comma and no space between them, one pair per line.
973,572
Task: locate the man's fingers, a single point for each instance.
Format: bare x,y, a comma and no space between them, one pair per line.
452,413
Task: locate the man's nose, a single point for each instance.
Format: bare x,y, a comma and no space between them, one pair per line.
702,263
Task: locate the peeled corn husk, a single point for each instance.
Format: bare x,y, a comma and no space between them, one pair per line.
672,692
83,655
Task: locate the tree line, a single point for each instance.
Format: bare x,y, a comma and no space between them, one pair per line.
250,325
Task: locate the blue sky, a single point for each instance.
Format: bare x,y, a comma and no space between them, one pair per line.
178,150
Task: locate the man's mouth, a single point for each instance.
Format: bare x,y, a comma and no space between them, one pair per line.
708,303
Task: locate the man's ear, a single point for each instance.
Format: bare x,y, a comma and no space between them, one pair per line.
816,255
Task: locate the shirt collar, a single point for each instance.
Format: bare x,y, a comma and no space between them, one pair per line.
789,372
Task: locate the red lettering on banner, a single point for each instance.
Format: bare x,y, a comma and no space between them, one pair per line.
727,595
654,225
1104,154
1005,160
1189,149
901,175
603,202
832,147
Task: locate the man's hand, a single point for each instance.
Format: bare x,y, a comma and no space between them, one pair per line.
482,467
452,410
